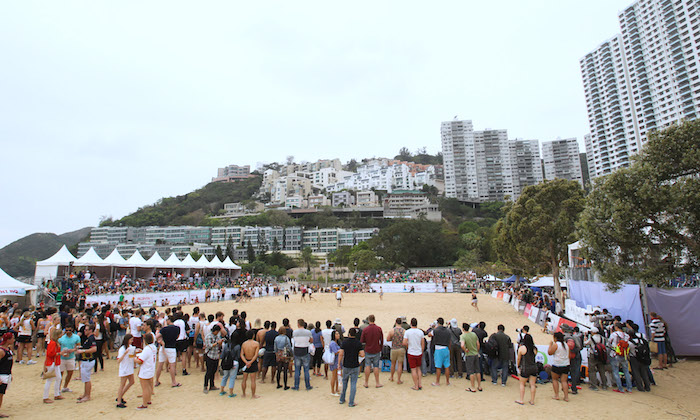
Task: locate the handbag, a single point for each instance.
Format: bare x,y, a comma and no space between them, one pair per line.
50,373
328,357
312,349
653,347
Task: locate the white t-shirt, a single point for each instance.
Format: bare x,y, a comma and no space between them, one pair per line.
415,337
134,325
183,333
148,368
302,337
338,294
327,334
126,366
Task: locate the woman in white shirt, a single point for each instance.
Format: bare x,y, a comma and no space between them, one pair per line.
147,360
560,365
24,339
125,358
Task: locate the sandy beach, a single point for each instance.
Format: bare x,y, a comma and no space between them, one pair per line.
674,397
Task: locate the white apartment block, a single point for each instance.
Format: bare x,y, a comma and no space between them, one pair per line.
410,205
640,80
367,199
342,198
485,165
232,173
561,160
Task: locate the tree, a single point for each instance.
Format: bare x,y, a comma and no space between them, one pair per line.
250,252
536,230
642,222
307,257
275,244
416,243
219,253
195,255
404,154
230,248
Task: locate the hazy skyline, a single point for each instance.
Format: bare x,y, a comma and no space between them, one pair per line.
107,107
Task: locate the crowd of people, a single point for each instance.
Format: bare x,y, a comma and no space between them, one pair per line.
79,341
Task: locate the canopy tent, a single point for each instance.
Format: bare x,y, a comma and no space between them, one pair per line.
90,259
11,287
156,261
48,269
137,261
173,262
489,277
230,265
114,259
511,279
547,282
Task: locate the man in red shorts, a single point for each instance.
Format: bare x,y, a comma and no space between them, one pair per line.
414,342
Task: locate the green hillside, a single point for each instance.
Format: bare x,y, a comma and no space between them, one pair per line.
18,258
192,208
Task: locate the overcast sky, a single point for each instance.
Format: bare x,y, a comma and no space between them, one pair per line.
108,106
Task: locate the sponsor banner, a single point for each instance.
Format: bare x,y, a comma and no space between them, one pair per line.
516,304
406,287
543,357
534,312
506,297
578,314
528,309
499,295
12,292
494,294
147,299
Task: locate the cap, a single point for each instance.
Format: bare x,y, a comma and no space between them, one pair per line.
337,321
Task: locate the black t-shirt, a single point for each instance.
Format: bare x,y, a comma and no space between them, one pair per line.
351,350
270,340
481,334
441,336
89,343
170,334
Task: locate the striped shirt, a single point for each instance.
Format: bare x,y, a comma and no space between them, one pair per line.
658,330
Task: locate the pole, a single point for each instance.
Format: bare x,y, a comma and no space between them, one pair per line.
645,306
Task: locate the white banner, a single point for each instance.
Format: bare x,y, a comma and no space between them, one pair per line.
147,299
12,292
494,294
406,287
506,297
534,311
544,358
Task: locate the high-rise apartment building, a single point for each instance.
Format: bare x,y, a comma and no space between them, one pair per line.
486,165
562,160
640,80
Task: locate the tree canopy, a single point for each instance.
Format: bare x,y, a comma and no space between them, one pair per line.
643,222
416,243
535,233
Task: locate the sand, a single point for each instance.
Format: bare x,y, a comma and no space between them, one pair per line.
675,395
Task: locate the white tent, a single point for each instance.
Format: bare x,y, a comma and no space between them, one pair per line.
203,262
114,259
216,263
90,259
189,262
173,262
11,287
228,264
48,269
137,261
547,282
156,261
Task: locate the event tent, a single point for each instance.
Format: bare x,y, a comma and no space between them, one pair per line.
11,287
511,279
49,269
547,282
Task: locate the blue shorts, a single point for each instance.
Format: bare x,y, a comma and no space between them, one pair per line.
662,347
442,358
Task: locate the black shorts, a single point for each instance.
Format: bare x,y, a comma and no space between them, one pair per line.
181,346
269,359
3,388
190,341
528,371
560,370
253,367
24,338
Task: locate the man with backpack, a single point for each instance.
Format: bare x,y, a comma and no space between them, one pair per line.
597,360
619,353
574,343
498,349
640,360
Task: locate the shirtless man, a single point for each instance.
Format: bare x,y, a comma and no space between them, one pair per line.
249,356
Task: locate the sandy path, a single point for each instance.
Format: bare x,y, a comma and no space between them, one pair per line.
675,397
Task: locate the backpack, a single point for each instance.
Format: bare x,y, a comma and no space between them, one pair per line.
571,344
643,352
491,348
622,348
227,358
599,352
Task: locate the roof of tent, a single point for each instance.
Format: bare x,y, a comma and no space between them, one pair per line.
136,260
62,257
190,262
173,261
156,260
547,282
115,258
511,279
203,262
8,282
90,259
216,262
230,264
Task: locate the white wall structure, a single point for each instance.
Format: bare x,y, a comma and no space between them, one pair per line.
641,80
561,160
